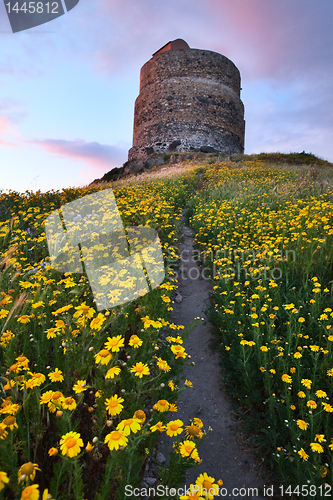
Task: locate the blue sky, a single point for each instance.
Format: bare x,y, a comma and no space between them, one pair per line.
67,88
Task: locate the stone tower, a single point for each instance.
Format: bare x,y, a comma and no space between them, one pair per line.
189,101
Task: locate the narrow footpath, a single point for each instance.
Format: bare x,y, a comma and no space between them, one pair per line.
224,455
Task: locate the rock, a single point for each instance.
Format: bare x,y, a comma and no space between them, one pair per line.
207,149
173,145
149,151
179,298
153,162
160,458
150,481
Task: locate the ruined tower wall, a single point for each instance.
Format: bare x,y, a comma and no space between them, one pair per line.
188,99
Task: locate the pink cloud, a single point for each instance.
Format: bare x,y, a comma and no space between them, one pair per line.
275,39
100,157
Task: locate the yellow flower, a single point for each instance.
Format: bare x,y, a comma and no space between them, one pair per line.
53,452
321,394
140,416
115,439
8,407
172,386
82,310
158,427
113,405
52,333
208,488
97,323
297,355
306,382
302,454
56,375
193,431
140,369
69,404
114,343
173,408
314,348
264,348
163,365
327,407
71,444
128,425
80,386
320,438
192,494
104,357
188,383
3,432
174,427
46,495
188,449
10,422
286,378
162,405
27,471
330,372
89,447
115,370
179,351
316,447
3,479
30,492
198,422
55,400
301,394
302,425
311,404
135,341
37,304
24,319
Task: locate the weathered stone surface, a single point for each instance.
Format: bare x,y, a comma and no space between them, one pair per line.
153,162
190,97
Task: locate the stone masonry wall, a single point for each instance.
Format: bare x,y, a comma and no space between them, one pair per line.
188,99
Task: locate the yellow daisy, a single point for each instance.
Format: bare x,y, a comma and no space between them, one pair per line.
115,370
140,369
114,343
71,444
104,357
113,405
116,439
174,427
27,471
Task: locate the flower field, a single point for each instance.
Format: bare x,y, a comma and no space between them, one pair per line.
267,235
85,394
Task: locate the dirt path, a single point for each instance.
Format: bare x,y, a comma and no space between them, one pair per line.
221,453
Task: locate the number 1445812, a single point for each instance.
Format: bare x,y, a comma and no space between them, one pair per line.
31,7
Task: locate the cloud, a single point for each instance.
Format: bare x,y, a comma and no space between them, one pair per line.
10,114
101,157
281,40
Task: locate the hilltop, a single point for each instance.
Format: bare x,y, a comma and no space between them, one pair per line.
182,160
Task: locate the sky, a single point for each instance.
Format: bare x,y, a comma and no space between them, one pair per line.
68,87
